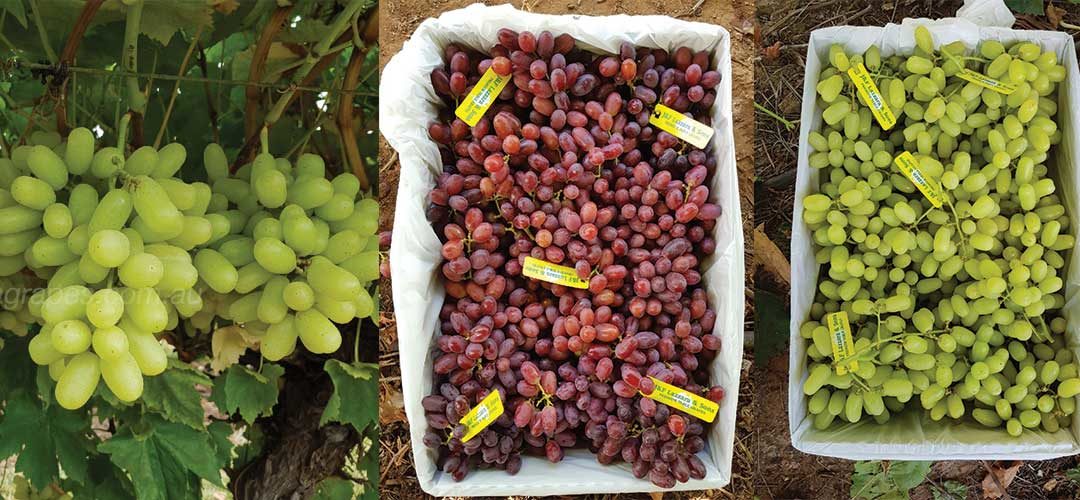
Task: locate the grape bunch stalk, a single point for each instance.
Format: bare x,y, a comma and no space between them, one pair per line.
566,168
953,286
117,249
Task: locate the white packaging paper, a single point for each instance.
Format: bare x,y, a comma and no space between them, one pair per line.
407,104
911,435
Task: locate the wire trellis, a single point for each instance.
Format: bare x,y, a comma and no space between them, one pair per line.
61,69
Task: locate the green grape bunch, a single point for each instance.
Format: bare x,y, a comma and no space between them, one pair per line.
954,298
117,249
299,259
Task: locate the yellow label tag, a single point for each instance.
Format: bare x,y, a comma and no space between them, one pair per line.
552,273
986,82
909,166
871,96
842,345
481,97
680,399
681,126
482,415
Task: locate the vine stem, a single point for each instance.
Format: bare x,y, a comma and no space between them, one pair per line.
176,86
67,57
129,61
258,62
45,43
345,118
122,132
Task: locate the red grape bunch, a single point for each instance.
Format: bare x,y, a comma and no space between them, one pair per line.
565,167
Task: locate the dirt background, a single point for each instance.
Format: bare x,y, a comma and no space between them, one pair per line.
784,28
398,19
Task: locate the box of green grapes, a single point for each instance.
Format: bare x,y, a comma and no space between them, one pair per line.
933,271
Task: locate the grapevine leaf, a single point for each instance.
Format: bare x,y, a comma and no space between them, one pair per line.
907,475
219,437
16,9
251,449
163,460
172,394
162,18
16,369
227,345
1026,6
44,438
247,391
335,488
308,30
355,387
107,482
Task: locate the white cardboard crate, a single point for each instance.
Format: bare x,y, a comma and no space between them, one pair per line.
910,435
408,104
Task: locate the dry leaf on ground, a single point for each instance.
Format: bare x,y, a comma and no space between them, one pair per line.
1005,472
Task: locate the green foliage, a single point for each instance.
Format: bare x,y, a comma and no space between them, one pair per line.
165,459
173,396
355,388
250,392
949,490
45,437
883,480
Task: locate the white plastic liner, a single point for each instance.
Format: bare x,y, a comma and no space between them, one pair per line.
407,104
912,435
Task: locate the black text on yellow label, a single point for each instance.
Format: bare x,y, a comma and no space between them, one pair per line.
871,96
552,273
681,126
843,347
681,399
930,188
480,98
482,415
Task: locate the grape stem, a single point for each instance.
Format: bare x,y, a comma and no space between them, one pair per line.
176,86
129,62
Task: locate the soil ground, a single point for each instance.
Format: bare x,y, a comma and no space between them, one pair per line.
781,471
398,20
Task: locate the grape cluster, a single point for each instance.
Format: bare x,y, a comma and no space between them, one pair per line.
955,309
566,168
300,258
120,249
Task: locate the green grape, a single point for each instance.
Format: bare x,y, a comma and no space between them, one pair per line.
57,220
107,162
170,159
348,185
239,251
16,219
317,333
338,311
250,277
245,309
122,375
274,256
70,337
327,278
112,212
147,312
78,381
272,307
80,150
180,193
299,296
47,166
152,204
310,165
216,270
280,339
270,186
42,351
110,343
32,193
142,161
16,243
109,248
65,303
145,348
141,270
311,192
299,232
104,308
217,165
